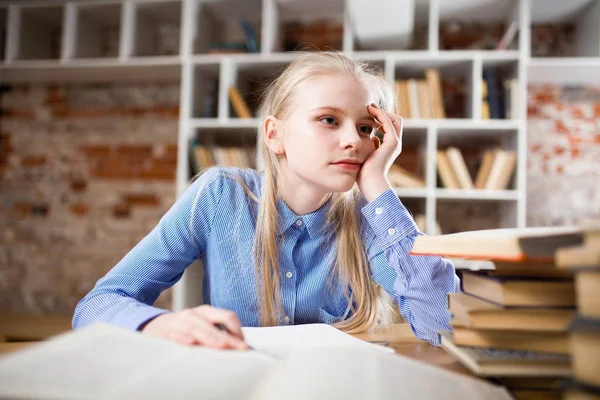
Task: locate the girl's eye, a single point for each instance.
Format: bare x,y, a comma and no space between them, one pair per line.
365,129
328,120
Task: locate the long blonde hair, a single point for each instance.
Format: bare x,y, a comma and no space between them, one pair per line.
352,269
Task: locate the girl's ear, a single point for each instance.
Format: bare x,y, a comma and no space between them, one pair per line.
272,135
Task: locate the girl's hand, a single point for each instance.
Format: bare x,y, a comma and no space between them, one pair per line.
372,177
199,326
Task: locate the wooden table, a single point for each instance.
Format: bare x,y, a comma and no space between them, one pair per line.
18,331
404,342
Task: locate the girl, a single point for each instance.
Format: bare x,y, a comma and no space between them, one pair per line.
305,241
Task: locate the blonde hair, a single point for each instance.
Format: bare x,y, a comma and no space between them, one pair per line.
352,269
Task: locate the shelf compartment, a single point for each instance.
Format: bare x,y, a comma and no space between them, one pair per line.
456,79
218,27
473,145
40,33
224,145
507,90
565,29
412,162
463,214
477,25
252,79
157,28
98,30
305,25
205,103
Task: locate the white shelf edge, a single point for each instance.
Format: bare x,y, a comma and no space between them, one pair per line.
575,70
411,192
477,194
196,123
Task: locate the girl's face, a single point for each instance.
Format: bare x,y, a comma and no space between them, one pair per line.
328,132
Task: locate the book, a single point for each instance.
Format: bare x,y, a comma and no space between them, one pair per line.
496,363
303,361
445,170
400,177
485,106
251,41
508,36
432,76
510,244
459,167
413,95
519,292
585,349
508,168
237,101
542,342
403,99
484,170
494,97
528,269
496,170
587,288
424,99
480,314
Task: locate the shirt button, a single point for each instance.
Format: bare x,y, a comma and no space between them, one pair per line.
286,319
289,274
391,231
299,222
378,210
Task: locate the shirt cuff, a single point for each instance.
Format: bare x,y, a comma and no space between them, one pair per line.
389,219
133,319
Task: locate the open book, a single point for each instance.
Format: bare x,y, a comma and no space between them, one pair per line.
108,362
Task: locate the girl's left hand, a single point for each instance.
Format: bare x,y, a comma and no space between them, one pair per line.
372,177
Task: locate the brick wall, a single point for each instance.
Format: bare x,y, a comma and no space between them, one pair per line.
563,185
85,173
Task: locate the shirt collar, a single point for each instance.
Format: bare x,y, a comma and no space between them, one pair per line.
314,221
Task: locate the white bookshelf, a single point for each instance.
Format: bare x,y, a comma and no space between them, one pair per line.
66,41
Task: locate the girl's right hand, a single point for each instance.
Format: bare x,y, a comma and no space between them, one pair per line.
198,326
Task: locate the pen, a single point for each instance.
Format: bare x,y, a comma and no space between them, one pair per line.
223,328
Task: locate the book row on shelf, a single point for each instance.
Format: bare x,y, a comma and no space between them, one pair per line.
421,98
499,101
495,172
532,320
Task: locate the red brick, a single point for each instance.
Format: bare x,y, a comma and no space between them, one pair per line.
16,114
121,211
141,200
79,209
21,209
33,161
135,150
96,150
78,185
562,128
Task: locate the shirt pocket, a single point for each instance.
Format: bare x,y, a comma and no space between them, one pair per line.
337,312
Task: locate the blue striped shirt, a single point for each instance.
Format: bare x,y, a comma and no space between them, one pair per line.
214,220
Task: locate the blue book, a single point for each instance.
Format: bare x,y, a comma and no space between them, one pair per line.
251,42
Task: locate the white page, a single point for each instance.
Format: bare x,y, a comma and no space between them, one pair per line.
281,341
352,372
103,361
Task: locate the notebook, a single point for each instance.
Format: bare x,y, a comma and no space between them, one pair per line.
108,362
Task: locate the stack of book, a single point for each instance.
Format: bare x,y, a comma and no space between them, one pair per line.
421,98
584,262
513,321
204,156
495,172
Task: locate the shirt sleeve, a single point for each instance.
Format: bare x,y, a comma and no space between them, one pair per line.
419,284
124,297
